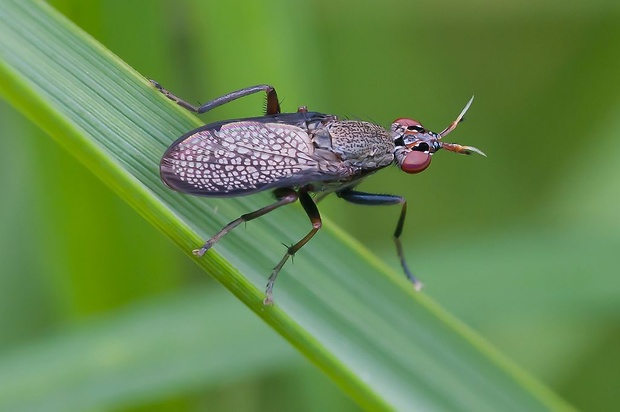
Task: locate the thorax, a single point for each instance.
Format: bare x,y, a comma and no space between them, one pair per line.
358,143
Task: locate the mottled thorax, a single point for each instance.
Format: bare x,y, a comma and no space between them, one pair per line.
362,144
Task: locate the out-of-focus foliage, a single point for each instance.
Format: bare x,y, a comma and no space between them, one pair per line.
531,230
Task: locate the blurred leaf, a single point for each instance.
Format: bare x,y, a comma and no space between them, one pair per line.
542,293
596,180
360,322
142,353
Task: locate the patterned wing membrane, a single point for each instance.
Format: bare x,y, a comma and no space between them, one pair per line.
239,158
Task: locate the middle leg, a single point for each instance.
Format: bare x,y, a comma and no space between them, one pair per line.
315,218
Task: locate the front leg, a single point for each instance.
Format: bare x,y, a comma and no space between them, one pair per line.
373,199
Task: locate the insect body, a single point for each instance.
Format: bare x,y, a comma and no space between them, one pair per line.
296,154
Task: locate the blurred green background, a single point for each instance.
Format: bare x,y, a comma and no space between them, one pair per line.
531,230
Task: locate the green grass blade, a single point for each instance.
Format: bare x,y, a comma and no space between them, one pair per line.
360,322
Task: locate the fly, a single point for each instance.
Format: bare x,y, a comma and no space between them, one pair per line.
296,155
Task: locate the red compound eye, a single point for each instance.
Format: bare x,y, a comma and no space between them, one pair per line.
415,162
403,121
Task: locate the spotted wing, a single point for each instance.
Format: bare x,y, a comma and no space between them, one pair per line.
240,158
